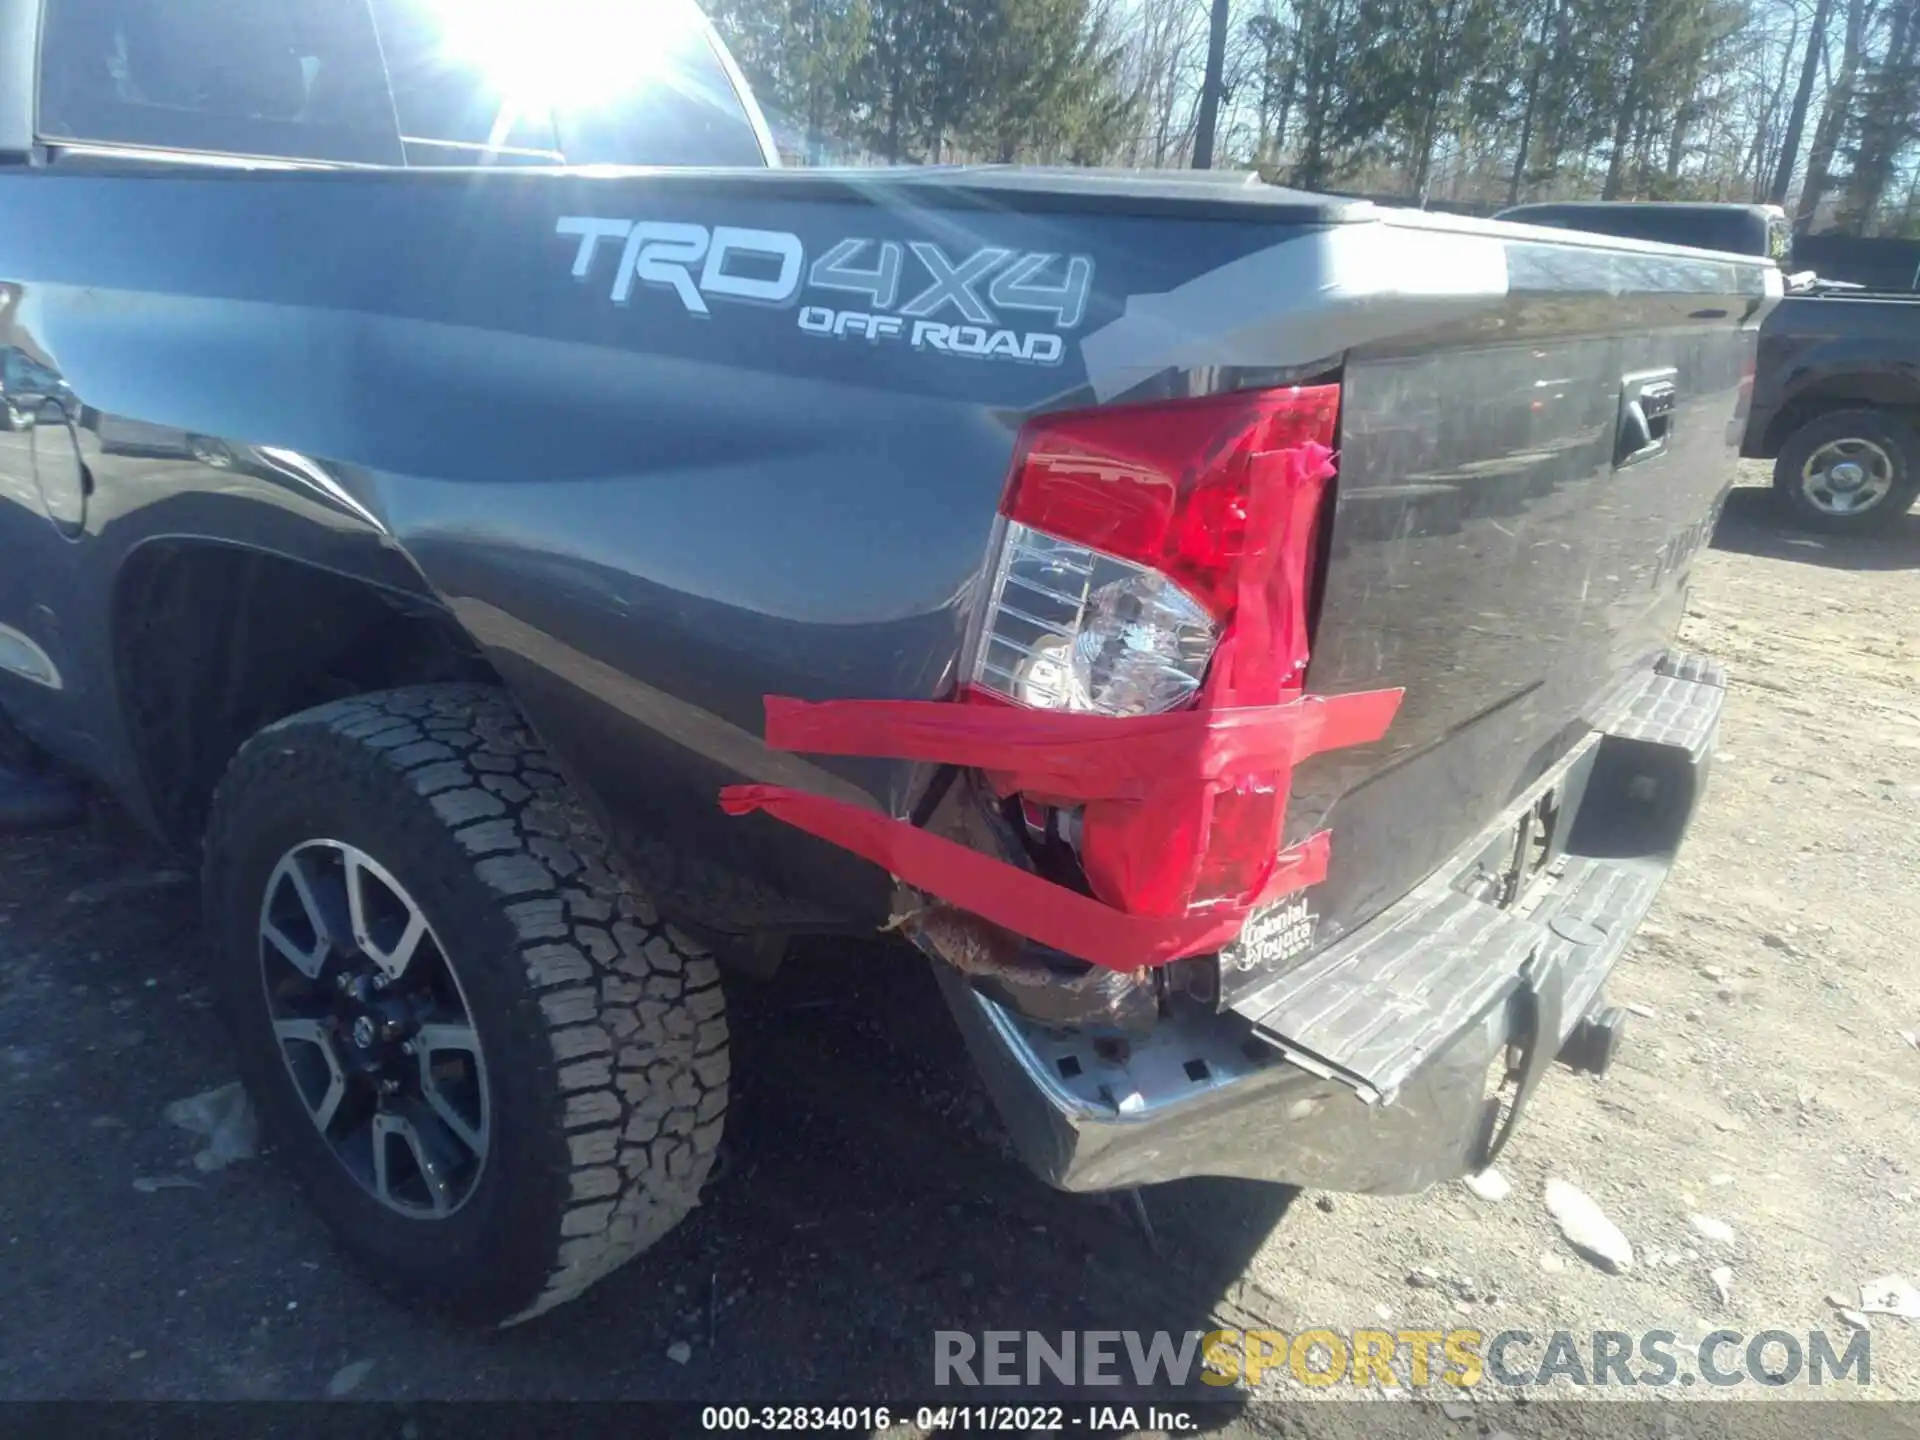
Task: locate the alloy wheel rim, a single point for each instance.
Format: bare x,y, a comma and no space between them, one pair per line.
374,1029
1845,477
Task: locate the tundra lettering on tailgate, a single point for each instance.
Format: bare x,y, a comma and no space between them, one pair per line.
915,292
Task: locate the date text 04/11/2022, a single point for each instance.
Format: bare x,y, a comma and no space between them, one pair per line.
965,1419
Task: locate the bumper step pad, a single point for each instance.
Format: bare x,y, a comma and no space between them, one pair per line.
1373,1009
1371,1014
1678,707
1593,909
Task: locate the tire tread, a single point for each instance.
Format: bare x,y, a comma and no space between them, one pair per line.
623,996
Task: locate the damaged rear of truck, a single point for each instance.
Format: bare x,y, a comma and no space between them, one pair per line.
1315,744
1227,629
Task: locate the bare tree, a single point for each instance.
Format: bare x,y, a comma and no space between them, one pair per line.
1550,14
1161,38
1802,98
1833,116
1211,86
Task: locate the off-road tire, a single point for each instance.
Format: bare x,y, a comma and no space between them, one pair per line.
603,1030
1892,434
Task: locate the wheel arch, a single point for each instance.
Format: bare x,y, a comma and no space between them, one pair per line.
211,639
1889,387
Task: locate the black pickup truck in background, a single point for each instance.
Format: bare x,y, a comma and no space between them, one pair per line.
1225,628
1739,229
1836,407
1836,393
1879,263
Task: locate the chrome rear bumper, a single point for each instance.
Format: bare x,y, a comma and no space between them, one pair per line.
1370,1066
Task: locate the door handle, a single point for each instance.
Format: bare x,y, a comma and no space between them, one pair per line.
1647,404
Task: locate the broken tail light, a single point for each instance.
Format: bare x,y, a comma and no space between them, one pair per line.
1154,558
1137,666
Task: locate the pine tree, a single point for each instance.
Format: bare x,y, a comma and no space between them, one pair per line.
801,57
1044,78
1888,118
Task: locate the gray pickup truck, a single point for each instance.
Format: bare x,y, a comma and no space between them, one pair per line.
1226,629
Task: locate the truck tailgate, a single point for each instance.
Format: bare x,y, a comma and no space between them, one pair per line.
1511,546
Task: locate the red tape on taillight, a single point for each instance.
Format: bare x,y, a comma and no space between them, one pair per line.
1011,897
1181,830
1084,757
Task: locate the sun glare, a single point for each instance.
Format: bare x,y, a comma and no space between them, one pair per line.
543,53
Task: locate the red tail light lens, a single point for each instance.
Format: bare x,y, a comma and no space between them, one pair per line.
1164,486
1140,541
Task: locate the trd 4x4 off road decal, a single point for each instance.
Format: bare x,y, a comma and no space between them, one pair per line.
915,293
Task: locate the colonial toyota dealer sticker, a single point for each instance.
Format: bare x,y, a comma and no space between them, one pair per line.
992,303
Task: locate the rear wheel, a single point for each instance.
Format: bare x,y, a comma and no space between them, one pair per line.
1848,471
496,1072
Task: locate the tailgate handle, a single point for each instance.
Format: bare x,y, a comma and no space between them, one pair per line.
1646,416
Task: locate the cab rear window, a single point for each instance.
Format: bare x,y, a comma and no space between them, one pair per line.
395,82
678,108
295,79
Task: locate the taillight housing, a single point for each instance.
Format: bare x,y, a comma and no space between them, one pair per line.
1151,558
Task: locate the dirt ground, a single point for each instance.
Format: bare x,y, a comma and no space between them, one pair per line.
866,1201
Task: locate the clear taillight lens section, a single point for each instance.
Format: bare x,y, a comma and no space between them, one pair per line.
1069,628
